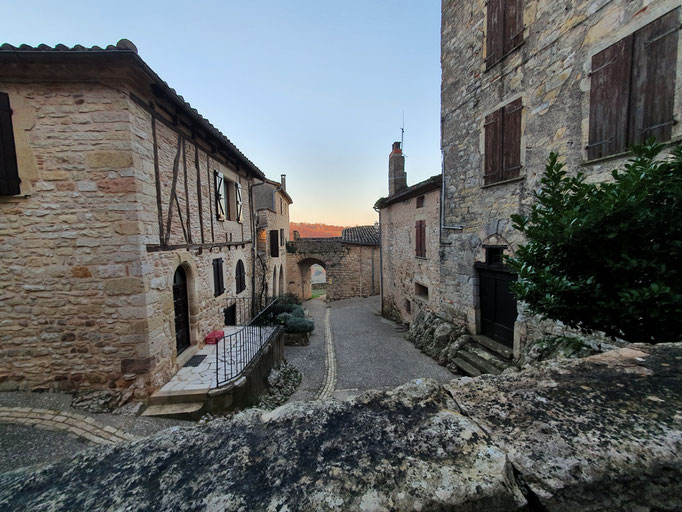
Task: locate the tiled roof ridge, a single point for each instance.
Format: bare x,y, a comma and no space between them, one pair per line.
127,46
361,235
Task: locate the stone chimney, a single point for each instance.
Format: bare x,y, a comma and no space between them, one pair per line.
297,235
283,181
397,177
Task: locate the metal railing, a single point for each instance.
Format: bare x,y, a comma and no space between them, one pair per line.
235,350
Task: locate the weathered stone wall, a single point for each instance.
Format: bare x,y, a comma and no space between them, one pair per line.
70,258
401,268
84,303
352,270
271,273
157,346
550,73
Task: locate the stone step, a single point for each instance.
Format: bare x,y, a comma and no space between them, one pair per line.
179,397
182,411
492,357
483,365
466,367
494,346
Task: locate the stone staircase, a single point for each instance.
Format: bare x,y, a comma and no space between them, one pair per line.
483,355
181,405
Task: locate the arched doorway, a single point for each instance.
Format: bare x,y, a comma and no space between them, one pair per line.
281,280
305,268
181,307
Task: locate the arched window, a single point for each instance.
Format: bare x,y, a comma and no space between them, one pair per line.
240,276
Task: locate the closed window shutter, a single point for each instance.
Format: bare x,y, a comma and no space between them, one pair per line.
609,99
495,32
219,195
493,147
274,243
241,277
417,240
654,63
423,236
9,172
513,24
240,203
218,281
512,140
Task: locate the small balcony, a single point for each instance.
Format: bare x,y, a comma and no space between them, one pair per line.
250,330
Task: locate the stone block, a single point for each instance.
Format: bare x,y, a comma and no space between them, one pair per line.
109,159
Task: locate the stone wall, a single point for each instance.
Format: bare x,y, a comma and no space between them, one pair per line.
550,73
401,268
352,270
85,303
271,273
157,350
70,257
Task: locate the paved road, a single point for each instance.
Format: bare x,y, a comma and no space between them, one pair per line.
371,352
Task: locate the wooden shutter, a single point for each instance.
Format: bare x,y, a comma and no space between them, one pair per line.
420,238
417,239
511,144
218,282
495,32
654,63
240,277
493,147
274,243
513,24
9,172
423,237
219,195
609,98
240,203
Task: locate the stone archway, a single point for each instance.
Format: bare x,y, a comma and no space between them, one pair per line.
352,268
280,286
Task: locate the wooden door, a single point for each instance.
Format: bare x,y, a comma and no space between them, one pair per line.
181,306
498,305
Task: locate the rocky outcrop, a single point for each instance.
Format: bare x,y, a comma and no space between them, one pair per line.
437,338
599,433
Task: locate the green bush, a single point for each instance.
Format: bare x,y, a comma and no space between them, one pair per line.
608,256
289,298
296,325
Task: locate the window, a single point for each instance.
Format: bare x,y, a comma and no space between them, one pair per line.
493,256
218,282
281,236
240,277
408,306
632,88
502,132
505,29
228,198
274,243
420,238
420,202
9,172
421,291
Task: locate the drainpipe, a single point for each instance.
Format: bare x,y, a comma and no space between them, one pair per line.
381,263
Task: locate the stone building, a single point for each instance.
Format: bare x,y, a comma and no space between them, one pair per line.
521,78
271,202
352,263
410,242
126,221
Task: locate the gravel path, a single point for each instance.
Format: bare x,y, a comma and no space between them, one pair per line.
370,351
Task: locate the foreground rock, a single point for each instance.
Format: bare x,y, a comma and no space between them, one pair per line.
403,450
600,433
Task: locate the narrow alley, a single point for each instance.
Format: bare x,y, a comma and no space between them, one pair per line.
366,351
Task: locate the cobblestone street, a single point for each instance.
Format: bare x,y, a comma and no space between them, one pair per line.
367,352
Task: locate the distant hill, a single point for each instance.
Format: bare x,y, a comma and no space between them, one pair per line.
307,230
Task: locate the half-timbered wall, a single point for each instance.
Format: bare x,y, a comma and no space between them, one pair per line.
549,74
180,227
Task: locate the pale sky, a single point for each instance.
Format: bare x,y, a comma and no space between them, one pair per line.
312,89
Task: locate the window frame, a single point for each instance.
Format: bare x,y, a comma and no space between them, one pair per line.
615,114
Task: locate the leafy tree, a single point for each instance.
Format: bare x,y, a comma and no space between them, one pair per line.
608,256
